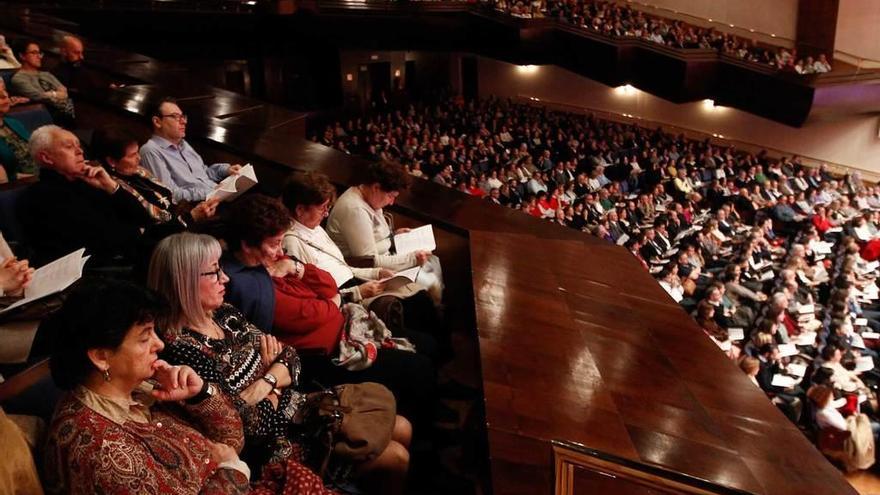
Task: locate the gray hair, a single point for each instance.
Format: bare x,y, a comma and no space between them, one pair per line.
779,300
42,139
175,271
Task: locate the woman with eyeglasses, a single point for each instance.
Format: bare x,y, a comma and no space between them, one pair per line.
258,373
41,86
131,422
308,198
301,305
359,226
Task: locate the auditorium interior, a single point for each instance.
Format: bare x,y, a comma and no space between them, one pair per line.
474,247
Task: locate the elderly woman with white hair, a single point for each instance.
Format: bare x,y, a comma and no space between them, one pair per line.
259,374
76,204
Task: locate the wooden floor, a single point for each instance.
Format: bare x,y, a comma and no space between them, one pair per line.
865,482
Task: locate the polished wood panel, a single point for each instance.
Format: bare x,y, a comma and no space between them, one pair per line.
20,382
817,26
584,471
579,349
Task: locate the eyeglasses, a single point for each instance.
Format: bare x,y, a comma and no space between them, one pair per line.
175,116
216,274
34,52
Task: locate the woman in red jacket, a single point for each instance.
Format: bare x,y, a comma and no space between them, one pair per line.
821,220
301,304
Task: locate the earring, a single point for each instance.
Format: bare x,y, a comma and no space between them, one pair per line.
106,374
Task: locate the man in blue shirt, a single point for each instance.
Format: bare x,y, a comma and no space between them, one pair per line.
174,162
784,212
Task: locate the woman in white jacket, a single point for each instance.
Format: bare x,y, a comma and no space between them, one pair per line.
360,227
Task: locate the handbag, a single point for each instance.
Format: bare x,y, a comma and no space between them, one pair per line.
351,421
363,334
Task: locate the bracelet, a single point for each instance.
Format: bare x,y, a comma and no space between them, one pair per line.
282,360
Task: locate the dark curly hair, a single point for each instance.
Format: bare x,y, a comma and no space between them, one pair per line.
97,314
111,142
390,176
307,189
254,218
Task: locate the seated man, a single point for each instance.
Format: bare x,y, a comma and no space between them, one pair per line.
76,205
41,86
70,69
173,161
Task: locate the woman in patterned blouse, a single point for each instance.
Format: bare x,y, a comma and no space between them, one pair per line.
117,151
257,372
117,433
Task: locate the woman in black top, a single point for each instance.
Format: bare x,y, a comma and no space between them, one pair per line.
117,151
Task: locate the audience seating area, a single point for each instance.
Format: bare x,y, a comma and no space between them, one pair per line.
622,21
775,261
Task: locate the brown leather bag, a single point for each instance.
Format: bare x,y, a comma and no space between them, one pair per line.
389,309
361,419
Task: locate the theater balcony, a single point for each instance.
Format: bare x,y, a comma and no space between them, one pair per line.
593,379
678,75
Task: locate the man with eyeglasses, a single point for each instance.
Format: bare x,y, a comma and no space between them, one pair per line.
174,162
41,86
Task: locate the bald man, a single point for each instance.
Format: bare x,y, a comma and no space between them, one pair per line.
69,69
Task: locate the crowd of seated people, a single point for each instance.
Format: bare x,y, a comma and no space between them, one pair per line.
30,86
210,347
775,260
621,20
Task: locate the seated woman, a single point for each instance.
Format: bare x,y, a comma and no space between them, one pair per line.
117,151
736,289
253,369
705,317
836,431
15,157
359,226
115,432
750,366
302,306
308,198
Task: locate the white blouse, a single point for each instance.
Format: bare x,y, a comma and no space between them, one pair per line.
315,246
359,230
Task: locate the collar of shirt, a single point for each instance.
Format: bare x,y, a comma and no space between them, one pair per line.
136,408
305,232
164,143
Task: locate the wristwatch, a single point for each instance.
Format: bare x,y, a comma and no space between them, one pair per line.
270,379
208,390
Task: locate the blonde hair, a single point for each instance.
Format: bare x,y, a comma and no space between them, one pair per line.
762,338
175,271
